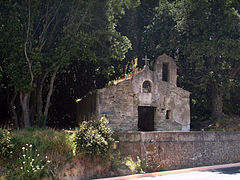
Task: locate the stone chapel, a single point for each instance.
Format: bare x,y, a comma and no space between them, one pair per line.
149,101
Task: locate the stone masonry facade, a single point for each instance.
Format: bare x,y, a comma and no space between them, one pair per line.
149,101
176,150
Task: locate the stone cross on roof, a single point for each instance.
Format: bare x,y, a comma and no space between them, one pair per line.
146,60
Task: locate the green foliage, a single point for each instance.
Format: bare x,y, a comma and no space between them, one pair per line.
135,166
203,37
209,36
32,150
140,166
44,139
30,165
49,149
41,37
93,138
6,146
160,35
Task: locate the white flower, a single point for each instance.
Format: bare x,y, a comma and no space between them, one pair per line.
23,148
30,145
23,162
26,144
37,155
46,157
23,155
48,161
21,167
32,159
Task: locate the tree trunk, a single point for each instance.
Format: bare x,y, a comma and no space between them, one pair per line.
39,97
217,102
13,111
50,94
39,103
33,106
24,100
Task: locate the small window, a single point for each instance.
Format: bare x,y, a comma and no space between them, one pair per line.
168,114
146,87
165,72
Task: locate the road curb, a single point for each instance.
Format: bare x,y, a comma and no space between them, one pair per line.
136,176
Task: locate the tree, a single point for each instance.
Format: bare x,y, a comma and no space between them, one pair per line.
161,35
203,36
133,25
40,38
80,77
210,40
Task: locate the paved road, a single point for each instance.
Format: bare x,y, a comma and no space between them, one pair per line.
219,174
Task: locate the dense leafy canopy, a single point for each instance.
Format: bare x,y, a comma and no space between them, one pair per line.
204,37
40,38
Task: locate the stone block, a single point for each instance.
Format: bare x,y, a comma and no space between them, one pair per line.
173,150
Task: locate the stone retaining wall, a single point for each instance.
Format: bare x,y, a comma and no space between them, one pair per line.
173,150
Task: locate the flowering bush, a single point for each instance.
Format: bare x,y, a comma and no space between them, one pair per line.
93,138
6,146
31,164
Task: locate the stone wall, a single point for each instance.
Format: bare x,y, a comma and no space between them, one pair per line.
118,103
174,150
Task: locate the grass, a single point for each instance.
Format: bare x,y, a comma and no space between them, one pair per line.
56,145
46,140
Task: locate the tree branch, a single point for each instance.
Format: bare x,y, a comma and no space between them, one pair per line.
84,16
42,39
50,92
235,70
53,30
25,47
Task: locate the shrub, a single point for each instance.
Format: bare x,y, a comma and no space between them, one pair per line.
140,166
6,145
30,165
93,138
48,142
135,167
